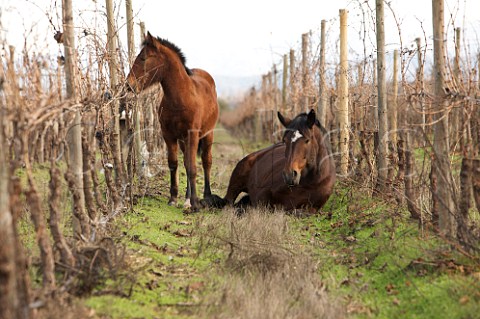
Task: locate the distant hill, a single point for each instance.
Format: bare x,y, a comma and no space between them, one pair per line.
234,86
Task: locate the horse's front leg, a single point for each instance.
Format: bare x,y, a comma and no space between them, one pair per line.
172,149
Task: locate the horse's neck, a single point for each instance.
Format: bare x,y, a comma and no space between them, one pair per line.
176,80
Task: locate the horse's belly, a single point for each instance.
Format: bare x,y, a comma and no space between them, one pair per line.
283,196
265,184
297,197
270,189
178,120
264,175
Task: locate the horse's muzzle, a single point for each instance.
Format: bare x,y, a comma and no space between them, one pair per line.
129,88
132,85
291,178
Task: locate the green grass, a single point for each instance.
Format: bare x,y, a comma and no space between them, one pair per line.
369,255
377,259
163,264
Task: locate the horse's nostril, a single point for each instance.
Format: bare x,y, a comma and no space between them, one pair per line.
295,173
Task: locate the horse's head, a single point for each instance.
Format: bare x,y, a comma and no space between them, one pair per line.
147,67
300,146
157,58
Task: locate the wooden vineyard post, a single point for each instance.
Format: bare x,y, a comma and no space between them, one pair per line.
322,100
305,93
69,45
444,195
130,34
382,153
142,32
74,135
406,159
258,125
134,106
455,125
112,63
343,119
420,84
263,107
393,115
284,83
372,114
293,84
275,109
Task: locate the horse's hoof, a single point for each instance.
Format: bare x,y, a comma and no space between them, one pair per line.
191,210
214,201
187,211
187,204
172,202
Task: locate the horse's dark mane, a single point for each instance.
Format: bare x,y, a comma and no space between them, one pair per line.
299,123
175,49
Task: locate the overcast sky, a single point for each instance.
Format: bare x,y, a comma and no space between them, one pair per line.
246,37
242,38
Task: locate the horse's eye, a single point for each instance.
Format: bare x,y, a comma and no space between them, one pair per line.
307,141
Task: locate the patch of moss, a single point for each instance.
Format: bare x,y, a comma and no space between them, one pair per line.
162,261
388,269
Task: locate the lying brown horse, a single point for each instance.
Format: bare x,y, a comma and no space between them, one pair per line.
299,172
188,111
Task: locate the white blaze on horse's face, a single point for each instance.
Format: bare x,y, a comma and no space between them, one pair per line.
295,159
296,136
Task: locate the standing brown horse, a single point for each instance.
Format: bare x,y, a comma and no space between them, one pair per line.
188,111
299,172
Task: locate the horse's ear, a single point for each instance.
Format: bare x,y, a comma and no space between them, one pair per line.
149,38
311,118
285,121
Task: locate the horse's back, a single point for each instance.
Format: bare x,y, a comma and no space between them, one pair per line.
207,96
202,75
266,175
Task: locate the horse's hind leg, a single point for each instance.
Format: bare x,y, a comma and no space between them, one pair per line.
172,149
239,179
206,147
191,168
188,193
